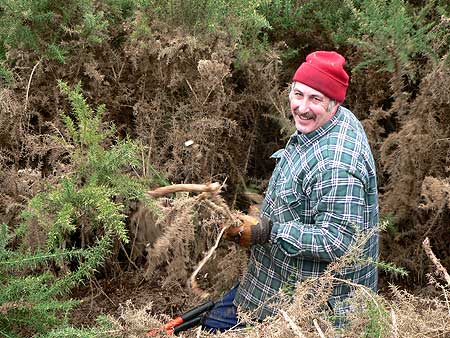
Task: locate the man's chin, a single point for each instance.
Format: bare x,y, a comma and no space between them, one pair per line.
305,128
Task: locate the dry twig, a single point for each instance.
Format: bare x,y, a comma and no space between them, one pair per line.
29,84
192,280
394,324
217,204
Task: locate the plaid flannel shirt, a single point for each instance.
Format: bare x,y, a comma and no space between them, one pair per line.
323,189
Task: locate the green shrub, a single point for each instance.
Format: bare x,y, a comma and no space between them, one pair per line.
46,257
55,29
241,18
391,35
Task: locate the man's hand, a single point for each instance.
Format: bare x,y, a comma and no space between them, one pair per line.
252,231
242,233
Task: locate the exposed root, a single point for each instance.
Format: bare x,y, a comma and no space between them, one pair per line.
163,191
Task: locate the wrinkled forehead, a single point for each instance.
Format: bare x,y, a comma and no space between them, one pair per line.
306,90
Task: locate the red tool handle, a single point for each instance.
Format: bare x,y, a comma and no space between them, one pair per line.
189,319
187,325
174,322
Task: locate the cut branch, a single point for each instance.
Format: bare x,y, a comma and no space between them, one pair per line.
162,191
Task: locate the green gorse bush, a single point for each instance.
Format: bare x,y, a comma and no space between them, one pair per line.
88,202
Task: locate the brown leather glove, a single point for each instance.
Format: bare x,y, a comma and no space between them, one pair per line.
252,231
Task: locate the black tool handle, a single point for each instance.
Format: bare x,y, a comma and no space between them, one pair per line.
197,311
187,325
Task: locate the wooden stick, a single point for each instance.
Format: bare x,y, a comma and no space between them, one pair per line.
440,268
162,191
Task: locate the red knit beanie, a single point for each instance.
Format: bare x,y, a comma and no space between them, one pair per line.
324,72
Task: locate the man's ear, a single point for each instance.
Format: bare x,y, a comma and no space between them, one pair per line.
335,108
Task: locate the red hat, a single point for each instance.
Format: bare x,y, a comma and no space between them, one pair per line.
324,72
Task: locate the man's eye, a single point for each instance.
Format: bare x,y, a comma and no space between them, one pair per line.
299,94
317,100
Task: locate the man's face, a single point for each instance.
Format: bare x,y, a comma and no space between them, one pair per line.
309,108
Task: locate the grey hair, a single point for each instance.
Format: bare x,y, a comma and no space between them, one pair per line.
331,105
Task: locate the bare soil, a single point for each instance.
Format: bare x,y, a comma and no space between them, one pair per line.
104,297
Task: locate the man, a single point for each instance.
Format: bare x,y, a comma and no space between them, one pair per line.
322,194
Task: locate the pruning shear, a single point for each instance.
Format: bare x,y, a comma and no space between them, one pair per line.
184,322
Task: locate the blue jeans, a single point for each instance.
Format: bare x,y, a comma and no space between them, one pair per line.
223,316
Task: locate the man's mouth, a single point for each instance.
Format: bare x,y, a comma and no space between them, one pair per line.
305,116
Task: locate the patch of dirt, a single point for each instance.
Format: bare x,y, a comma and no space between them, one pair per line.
104,297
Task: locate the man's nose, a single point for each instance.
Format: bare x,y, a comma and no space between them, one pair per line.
302,104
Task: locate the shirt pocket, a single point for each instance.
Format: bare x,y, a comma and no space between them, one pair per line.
289,201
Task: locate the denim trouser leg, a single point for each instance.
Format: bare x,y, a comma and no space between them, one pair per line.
223,316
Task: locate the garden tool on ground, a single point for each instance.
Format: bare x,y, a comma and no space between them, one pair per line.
184,322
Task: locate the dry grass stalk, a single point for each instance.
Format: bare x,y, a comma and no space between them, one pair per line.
319,330
440,268
292,324
394,324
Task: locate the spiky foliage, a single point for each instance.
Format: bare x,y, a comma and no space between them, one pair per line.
68,230
241,18
54,30
391,35
39,26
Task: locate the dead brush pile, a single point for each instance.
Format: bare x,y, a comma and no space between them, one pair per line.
189,229
303,312
416,160
176,235
197,116
405,316
204,123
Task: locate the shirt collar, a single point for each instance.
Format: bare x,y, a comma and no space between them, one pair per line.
310,138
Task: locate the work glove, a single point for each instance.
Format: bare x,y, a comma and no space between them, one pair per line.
252,230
